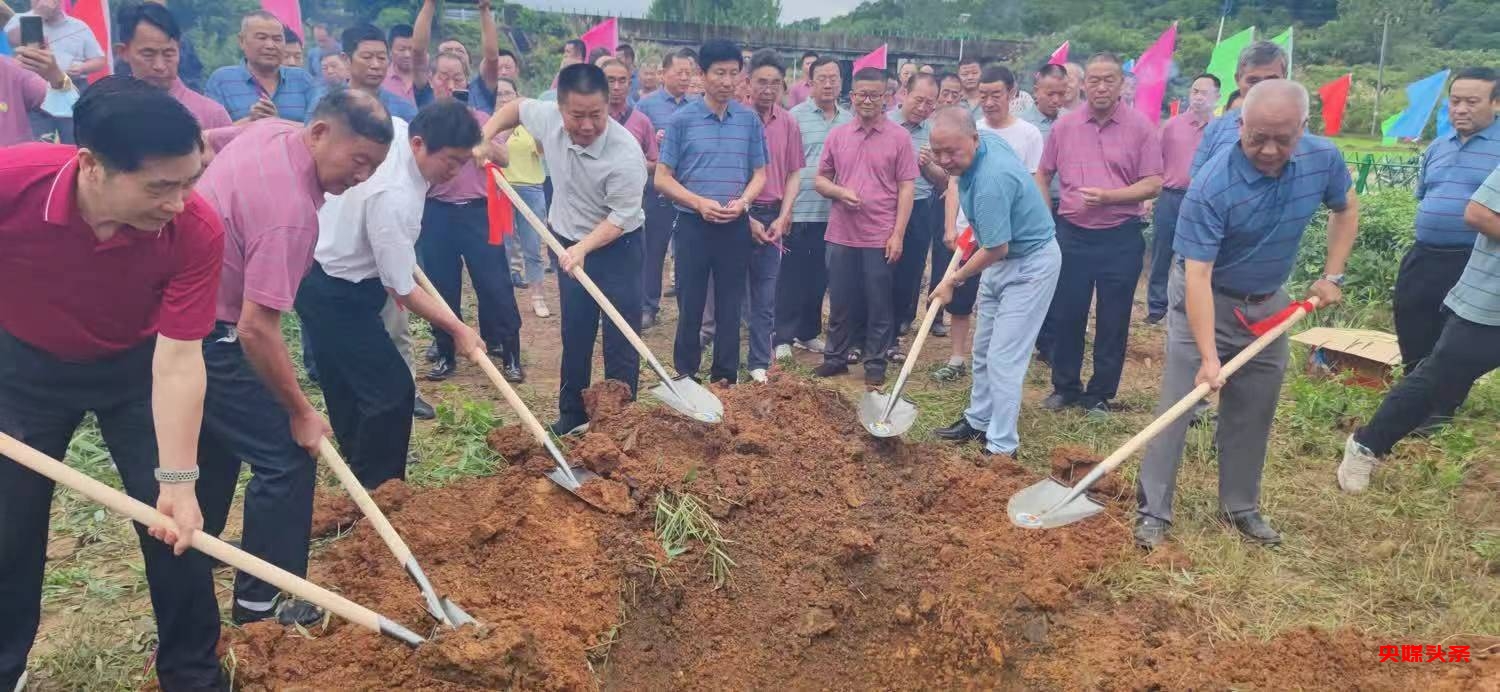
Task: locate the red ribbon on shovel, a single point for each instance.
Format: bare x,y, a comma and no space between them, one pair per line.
501,212
1269,323
966,243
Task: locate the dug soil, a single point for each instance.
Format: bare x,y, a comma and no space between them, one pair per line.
852,563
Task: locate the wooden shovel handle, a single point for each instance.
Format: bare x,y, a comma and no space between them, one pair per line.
362,499
933,308
125,505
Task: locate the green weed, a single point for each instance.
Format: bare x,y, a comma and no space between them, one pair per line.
682,519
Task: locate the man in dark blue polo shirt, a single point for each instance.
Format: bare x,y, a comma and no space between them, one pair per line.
1242,222
713,161
677,70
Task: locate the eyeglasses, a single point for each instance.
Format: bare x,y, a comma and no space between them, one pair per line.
866,95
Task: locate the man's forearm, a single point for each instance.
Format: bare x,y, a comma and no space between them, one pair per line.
791,187
1145,188
507,117
428,307
603,234
935,175
1483,219
178,381
1044,183
903,206
669,187
92,65
260,337
825,186
979,261
757,183
1343,228
1198,283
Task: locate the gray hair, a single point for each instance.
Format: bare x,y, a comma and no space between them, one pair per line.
261,15
1262,54
956,117
1275,90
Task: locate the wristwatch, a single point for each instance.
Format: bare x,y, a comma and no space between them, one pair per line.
1335,279
176,476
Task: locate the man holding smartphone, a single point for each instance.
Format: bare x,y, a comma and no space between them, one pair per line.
69,42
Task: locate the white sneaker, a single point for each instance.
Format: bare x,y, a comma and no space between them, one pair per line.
539,306
21,684
784,352
759,375
1355,469
814,344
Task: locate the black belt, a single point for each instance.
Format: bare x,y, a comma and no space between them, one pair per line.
461,203
1242,297
774,206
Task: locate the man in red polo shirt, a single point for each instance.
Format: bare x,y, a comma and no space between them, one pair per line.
109,265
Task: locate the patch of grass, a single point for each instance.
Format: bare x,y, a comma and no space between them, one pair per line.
99,654
455,447
682,519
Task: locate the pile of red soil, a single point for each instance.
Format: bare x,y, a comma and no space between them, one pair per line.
858,563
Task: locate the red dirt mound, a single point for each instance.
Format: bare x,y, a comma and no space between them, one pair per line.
1071,464
334,510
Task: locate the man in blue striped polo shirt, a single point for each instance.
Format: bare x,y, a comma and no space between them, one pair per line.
713,165
1241,224
1453,168
369,60
1465,352
677,69
1259,62
260,87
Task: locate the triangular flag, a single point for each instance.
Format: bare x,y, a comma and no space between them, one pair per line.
875,59
1284,39
1335,96
95,13
1421,96
1059,56
288,11
1226,59
1152,72
1444,121
1176,107
605,34
501,212
5,45
1386,137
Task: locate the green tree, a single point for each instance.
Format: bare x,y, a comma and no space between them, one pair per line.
751,13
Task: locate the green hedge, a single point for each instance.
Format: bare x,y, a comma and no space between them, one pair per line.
1387,220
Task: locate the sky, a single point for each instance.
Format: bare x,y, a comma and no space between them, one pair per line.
791,10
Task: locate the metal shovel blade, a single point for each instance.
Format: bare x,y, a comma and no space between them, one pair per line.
1046,505
456,616
580,476
690,399
441,609
872,414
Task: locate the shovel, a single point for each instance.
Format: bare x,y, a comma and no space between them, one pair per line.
565,475
1049,503
681,393
442,609
142,513
889,415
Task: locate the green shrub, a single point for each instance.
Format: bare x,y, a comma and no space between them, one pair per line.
1386,222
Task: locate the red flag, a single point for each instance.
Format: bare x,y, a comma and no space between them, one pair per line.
502,213
605,34
95,13
1335,95
1176,105
967,244
1151,73
288,11
875,59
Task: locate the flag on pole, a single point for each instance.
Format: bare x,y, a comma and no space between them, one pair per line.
1059,56
1226,58
1176,107
1421,97
875,59
1335,96
1284,39
1444,121
95,13
498,206
4,44
605,34
1386,137
1152,72
288,11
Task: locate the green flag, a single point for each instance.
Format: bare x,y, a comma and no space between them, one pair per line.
1386,127
1285,41
1226,58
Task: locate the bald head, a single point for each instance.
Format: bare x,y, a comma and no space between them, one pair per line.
1277,98
954,140
956,118
1275,117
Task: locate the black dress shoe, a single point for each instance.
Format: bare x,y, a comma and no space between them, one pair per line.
874,378
1150,532
442,370
1253,527
854,356
1155,318
959,432
432,354
421,410
512,371
1058,402
568,426
830,369
287,613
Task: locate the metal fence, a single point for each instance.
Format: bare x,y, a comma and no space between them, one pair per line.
1384,172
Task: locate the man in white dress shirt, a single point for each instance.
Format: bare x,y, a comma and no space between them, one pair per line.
366,252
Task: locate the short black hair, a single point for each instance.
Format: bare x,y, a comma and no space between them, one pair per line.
820,62
444,125
687,54
582,79
289,35
998,73
625,49
1052,70
717,50
578,45
911,82
1481,74
969,60
507,53
361,112
870,74
357,34
131,16
125,121
398,31
809,54
767,57
1210,78
945,76
1233,96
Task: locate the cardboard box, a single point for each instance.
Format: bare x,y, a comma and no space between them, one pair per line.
1357,357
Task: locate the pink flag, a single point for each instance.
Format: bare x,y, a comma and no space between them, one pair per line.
1151,73
288,11
1059,56
605,34
95,13
875,59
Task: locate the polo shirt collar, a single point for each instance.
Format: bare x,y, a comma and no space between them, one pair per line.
61,207
878,127
776,112
1247,171
1114,114
593,151
1491,133
708,111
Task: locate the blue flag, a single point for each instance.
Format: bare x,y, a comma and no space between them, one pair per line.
5,45
1422,96
1444,123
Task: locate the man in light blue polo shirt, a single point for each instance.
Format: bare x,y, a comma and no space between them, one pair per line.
260,87
1453,168
712,166
1241,225
1465,352
1018,262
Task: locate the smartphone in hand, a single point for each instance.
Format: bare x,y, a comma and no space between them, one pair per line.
31,31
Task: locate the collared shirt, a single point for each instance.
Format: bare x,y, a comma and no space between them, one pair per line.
801,91
639,126
70,39
1179,143
1476,296
398,85
783,153
525,161
1043,124
659,107
1116,153
207,111
1221,134
469,184
235,88
114,294
265,189
1452,170
714,157
814,125
600,182
1025,140
975,109
872,161
921,136
999,197
372,229
21,91
1022,102
1250,224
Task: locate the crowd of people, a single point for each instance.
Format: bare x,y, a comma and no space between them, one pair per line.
151,252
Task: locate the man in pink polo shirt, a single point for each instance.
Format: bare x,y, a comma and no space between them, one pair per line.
22,92
1107,158
620,108
771,211
266,186
151,43
869,170
1179,140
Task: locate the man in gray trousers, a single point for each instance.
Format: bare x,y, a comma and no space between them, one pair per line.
1241,224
